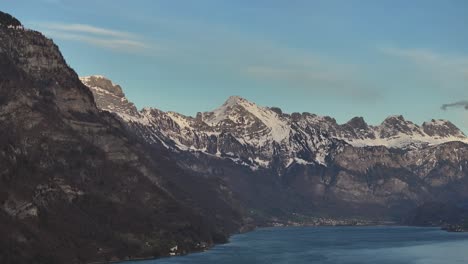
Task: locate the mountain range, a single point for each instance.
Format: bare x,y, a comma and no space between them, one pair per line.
86,176
301,163
299,136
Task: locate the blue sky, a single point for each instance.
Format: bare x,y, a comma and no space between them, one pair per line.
338,58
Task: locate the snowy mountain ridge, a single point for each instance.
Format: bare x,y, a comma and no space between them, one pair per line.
256,136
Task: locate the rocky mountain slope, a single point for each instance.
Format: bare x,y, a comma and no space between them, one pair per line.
75,186
288,164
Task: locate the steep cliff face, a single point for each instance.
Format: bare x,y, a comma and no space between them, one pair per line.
40,59
286,164
76,187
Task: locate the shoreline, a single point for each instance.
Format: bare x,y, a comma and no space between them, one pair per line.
248,230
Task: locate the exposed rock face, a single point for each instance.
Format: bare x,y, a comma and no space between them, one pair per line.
75,186
39,58
304,163
109,95
441,129
395,125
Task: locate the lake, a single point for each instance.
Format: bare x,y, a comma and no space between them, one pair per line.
333,245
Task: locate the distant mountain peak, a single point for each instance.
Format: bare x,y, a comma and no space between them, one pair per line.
439,122
442,128
240,114
394,118
103,83
235,99
397,125
233,109
357,122
109,96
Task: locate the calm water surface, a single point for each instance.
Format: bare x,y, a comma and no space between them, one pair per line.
333,245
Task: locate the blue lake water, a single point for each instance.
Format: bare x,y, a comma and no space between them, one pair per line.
333,245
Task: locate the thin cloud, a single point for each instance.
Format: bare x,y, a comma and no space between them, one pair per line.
447,67
446,73
329,79
291,74
252,57
125,45
416,55
116,40
88,29
430,59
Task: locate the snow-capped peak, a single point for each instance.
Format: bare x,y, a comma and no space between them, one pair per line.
238,111
442,128
395,125
227,111
234,99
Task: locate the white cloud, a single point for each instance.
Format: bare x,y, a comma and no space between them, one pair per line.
87,29
118,44
101,37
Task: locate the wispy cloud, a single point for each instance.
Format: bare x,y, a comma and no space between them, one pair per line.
312,73
430,59
322,77
116,40
273,72
88,29
416,55
451,70
119,44
267,62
